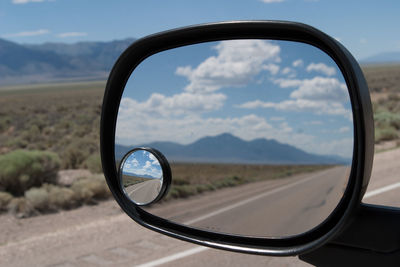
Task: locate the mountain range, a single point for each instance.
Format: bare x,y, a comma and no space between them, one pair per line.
385,57
58,61
48,62
226,148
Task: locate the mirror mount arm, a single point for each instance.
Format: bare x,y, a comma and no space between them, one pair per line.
372,238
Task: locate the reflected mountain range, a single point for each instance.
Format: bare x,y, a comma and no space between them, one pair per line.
226,148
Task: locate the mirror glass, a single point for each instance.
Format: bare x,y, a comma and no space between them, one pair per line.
141,176
258,133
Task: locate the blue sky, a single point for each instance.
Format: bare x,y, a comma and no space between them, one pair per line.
364,27
291,92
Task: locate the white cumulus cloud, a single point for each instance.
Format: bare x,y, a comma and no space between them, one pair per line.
321,89
236,63
301,105
298,63
319,95
286,70
18,2
175,105
71,34
322,68
28,33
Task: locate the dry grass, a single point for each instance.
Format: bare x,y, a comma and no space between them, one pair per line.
384,85
382,78
60,118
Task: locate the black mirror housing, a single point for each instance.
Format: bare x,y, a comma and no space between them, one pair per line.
277,30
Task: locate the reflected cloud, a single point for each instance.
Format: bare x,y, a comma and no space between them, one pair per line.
322,68
174,105
319,95
298,63
236,64
142,165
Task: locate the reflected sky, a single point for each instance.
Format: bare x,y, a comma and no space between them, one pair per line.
142,163
286,91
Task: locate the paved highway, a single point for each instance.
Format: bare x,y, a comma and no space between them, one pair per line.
103,236
280,207
144,192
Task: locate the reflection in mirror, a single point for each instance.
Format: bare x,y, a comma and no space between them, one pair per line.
259,134
141,177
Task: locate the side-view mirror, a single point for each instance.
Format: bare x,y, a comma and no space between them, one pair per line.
253,136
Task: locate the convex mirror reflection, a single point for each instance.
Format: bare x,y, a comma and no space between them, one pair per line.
142,176
259,134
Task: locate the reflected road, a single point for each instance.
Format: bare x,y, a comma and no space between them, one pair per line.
144,191
280,207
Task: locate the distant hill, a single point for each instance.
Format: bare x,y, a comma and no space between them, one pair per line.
57,61
226,148
386,57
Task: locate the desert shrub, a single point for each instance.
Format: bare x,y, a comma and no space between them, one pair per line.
184,191
16,142
204,188
387,123
4,123
385,134
72,158
48,130
77,152
62,197
20,207
180,181
23,169
93,163
187,190
49,198
31,136
230,181
5,198
387,119
90,189
38,197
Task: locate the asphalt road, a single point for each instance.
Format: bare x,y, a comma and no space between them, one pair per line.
103,236
274,208
144,192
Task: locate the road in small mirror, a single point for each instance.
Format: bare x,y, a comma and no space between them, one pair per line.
258,133
141,176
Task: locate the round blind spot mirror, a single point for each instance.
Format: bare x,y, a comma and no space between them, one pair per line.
145,175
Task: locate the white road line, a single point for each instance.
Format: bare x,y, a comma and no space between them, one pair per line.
196,250
173,257
381,190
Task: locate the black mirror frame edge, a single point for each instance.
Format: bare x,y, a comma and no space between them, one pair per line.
166,171
278,30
